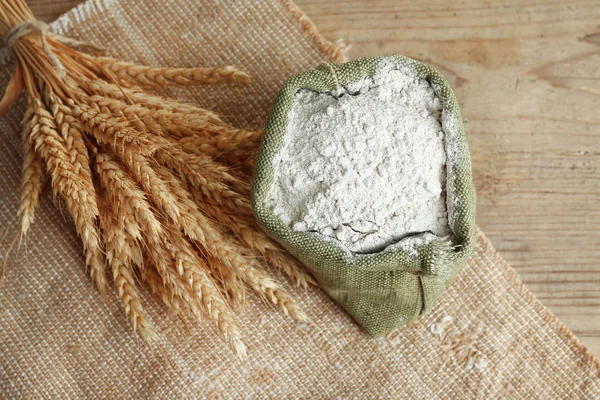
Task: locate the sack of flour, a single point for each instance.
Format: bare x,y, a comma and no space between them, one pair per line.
364,175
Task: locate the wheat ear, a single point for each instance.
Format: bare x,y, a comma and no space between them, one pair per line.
132,302
112,130
233,255
217,245
161,289
197,128
82,205
211,178
146,177
186,276
247,232
96,132
126,195
72,137
31,183
157,76
227,141
233,286
121,259
152,101
241,161
195,271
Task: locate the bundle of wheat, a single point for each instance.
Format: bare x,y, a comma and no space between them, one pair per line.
158,190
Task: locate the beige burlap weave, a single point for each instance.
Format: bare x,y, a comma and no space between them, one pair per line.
59,338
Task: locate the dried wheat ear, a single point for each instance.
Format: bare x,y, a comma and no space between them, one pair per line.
158,190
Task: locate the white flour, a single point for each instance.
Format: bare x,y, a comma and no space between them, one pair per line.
364,166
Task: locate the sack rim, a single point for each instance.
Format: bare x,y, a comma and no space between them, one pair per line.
430,257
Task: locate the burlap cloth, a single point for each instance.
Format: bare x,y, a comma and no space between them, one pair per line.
60,338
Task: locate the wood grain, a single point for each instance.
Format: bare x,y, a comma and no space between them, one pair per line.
49,10
527,76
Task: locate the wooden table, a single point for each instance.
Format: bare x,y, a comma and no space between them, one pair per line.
527,75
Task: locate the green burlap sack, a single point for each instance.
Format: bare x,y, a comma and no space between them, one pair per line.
383,290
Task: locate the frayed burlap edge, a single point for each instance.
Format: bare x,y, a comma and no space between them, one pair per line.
336,51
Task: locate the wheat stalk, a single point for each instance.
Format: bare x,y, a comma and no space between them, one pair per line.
158,190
